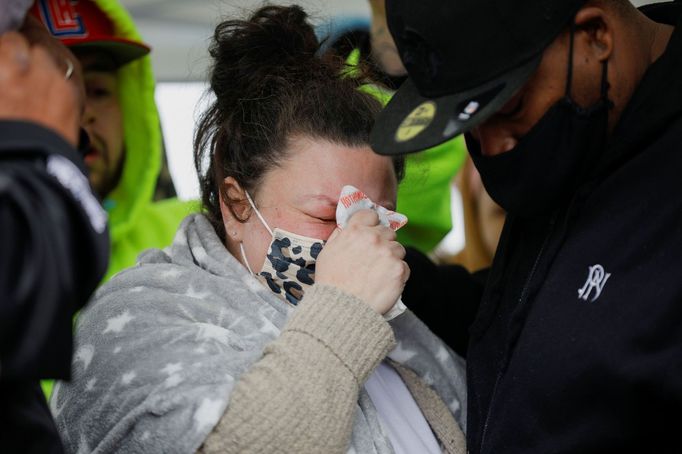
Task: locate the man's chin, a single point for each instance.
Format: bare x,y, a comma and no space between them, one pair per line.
98,183
102,180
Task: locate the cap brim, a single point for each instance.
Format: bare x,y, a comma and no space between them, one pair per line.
411,122
121,50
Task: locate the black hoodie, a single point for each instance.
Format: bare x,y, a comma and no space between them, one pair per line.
54,249
577,340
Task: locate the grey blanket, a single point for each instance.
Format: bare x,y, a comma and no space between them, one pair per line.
161,346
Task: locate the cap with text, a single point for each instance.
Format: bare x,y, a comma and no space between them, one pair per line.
465,59
81,24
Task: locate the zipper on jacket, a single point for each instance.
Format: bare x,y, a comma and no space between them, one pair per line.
521,301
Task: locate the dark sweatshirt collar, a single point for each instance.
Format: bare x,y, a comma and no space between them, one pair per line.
657,101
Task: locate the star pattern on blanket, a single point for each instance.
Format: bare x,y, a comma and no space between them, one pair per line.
90,384
208,413
84,355
196,293
172,368
116,324
128,377
401,354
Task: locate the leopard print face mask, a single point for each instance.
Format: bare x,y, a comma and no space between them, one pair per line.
289,266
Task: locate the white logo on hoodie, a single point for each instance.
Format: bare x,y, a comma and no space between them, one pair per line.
596,280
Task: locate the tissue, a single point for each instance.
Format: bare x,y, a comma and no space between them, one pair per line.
352,200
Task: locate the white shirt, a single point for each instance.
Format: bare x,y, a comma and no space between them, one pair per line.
399,414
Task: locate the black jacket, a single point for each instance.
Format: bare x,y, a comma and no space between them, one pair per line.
576,346
54,251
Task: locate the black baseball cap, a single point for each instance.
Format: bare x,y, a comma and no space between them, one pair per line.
465,59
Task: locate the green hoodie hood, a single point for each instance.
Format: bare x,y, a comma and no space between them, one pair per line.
141,128
135,222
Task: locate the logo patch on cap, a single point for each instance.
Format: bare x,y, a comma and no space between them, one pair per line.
469,110
61,18
417,121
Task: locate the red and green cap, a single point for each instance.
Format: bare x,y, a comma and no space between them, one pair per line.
81,24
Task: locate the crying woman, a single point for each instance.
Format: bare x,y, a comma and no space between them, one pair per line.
261,328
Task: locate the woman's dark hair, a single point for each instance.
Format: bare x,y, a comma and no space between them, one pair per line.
271,86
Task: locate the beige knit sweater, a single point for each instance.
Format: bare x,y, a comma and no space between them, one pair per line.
301,396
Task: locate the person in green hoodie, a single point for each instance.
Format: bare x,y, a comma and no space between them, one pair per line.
424,193
124,157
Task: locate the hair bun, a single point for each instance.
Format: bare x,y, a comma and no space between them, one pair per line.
288,29
275,42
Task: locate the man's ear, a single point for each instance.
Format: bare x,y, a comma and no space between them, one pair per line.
598,27
234,207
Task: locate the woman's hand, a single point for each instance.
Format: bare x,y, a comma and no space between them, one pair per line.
364,260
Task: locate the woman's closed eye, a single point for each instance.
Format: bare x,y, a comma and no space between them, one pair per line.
324,218
325,213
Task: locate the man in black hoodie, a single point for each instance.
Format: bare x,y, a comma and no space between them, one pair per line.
572,111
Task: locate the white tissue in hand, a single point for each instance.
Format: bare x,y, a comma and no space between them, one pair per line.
353,200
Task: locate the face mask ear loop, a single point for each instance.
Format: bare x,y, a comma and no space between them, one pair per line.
253,205
605,85
569,77
246,262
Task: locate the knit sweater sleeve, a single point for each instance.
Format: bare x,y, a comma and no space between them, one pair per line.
301,395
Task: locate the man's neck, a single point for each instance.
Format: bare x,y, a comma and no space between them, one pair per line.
659,37
661,40
647,42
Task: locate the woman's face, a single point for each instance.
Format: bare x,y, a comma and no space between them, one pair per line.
301,195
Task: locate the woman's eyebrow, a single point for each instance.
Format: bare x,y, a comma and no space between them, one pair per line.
320,198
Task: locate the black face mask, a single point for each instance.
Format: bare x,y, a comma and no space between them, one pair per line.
549,162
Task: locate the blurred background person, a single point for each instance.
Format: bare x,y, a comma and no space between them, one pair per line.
125,156
424,194
483,221
53,231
